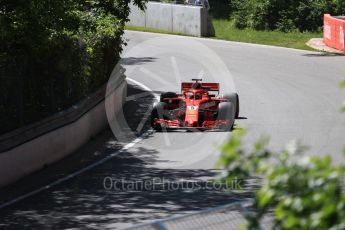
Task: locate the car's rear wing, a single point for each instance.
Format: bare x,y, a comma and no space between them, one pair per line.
186,86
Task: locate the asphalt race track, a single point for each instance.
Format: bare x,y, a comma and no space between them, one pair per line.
285,93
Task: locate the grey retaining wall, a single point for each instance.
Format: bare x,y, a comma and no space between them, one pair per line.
29,149
184,19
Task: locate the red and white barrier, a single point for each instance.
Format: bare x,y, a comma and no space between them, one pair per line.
334,32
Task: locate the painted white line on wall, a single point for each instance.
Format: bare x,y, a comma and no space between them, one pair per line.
83,170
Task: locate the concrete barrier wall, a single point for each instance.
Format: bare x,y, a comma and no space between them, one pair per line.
159,16
33,155
184,19
190,20
137,17
334,32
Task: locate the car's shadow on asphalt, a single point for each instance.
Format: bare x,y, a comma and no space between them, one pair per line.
93,199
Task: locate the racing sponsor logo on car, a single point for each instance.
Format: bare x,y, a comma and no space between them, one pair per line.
193,108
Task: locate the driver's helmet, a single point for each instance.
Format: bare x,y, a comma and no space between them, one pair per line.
196,85
198,96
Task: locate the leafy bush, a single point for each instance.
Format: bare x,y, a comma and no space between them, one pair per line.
220,9
284,15
54,53
303,192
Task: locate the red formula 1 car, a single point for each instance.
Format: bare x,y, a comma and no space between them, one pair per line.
197,107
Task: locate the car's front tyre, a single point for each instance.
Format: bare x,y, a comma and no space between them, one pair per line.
226,113
158,113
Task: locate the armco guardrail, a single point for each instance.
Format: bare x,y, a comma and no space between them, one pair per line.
228,217
29,149
184,19
334,32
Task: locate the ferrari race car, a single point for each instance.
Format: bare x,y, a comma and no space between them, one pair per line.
199,107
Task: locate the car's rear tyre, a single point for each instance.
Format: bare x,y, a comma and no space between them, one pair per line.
226,113
167,95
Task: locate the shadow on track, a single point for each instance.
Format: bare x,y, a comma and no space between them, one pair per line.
137,61
84,203
323,54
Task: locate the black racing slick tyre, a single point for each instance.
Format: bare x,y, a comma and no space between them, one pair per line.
157,113
226,113
237,113
235,100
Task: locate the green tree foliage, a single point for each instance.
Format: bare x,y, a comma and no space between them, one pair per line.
220,9
303,192
53,53
284,15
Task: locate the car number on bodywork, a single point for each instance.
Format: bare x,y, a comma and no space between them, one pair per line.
193,108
